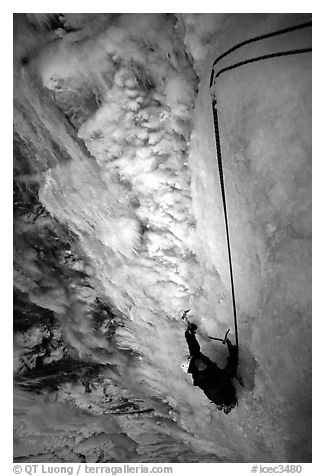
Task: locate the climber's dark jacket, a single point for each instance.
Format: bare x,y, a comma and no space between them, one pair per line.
215,382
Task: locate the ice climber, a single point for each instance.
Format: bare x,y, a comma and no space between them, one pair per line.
216,383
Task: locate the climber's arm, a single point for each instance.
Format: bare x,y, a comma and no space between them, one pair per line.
193,345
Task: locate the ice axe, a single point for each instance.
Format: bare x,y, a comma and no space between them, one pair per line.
224,340
193,327
184,316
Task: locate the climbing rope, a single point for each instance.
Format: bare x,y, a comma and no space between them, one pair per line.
223,194
213,77
261,58
255,39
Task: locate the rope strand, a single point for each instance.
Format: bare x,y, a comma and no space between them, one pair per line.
223,194
256,39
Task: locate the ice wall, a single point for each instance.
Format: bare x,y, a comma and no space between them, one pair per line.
112,139
264,112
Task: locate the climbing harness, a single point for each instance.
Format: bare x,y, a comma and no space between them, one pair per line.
213,77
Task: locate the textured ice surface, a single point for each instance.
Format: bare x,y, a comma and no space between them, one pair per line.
121,147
